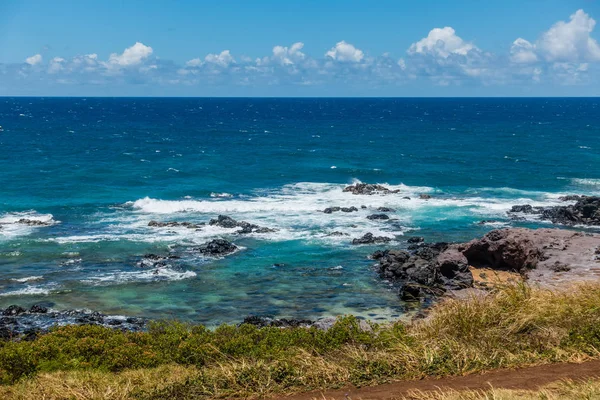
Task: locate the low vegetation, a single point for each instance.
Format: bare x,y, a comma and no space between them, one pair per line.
514,326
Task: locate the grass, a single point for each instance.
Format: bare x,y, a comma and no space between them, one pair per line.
514,326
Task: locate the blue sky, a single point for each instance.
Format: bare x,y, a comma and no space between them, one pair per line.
300,48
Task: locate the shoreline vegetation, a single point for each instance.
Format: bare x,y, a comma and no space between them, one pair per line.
513,325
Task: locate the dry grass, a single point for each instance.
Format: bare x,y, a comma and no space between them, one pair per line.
514,326
97,385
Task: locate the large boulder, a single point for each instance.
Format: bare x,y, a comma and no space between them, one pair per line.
503,249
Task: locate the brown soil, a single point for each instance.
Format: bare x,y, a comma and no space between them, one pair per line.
487,277
530,378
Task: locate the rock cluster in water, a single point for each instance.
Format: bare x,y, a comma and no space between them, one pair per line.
378,217
330,210
369,189
586,211
216,248
175,224
431,269
32,222
156,261
18,323
369,238
227,222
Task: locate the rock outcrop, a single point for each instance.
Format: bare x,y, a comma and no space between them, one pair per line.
18,323
330,210
227,222
32,222
216,248
546,257
368,189
378,217
585,211
430,270
155,261
369,238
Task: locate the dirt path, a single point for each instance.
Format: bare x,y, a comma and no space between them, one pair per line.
525,379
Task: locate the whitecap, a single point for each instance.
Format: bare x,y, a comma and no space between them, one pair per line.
28,279
120,277
11,228
586,182
28,290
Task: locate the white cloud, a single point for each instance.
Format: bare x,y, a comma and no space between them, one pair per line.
223,59
523,52
289,56
56,65
196,62
34,60
571,41
131,56
441,42
345,52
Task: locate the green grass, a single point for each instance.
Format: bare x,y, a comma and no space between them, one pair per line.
514,326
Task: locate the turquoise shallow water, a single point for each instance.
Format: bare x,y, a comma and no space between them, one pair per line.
98,170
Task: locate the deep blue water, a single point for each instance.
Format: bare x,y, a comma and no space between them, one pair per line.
100,169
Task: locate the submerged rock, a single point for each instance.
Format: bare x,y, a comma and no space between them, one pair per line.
415,239
369,238
424,196
337,233
330,210
385,209
155,261
32,222
216,248
174,224
227,222
368,189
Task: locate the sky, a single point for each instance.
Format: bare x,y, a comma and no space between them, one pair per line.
299,48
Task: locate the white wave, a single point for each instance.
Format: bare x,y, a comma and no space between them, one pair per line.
586,182
28,279
494,224
13,218
221,195
11,228
159,274
296,212
29,290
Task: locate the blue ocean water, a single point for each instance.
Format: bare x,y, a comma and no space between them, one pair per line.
100,169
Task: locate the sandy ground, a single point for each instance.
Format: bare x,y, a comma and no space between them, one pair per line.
530,378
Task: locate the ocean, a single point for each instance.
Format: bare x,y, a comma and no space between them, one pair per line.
96,171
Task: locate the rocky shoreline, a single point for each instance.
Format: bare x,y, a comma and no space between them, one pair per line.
417,270
549,258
